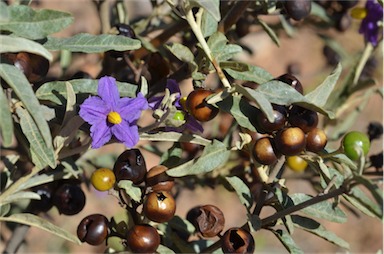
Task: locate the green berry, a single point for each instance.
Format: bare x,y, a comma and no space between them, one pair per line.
354,140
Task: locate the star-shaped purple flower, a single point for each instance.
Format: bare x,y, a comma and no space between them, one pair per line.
109,115
370,24
190,123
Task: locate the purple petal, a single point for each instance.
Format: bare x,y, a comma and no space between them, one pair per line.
108,91
173,86
100,134
93,110
154,102
193,125
130,108
126,133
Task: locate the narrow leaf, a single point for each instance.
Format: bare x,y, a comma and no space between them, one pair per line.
323,210
286,239
213,156
25,22
87,43
36,221
241,110
241,190
320,95
17,44
316,228
133,191
44,154
211,6
253,73
15,197
176,137
269,31
18,82
56,91
6,122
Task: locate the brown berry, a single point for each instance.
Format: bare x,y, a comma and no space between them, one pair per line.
159,206
237,240
290,141
303,118
316,140
263,151
143,238
158,179
198,107
208,220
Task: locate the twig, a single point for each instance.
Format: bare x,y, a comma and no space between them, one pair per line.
16,239
232,16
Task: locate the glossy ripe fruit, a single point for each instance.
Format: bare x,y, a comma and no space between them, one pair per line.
159,206
263,151
158,179
130,165
208,220
197,106
354,141
69,199
45,203
296,163
93,229
316,140
280,116
34,67
292,81
297,9
290,141
303,118
143,238
103,179
237,240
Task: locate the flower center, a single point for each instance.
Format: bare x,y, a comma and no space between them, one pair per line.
359,13
114,117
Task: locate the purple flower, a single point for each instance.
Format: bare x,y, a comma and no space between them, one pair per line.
109,115
190,122
370,24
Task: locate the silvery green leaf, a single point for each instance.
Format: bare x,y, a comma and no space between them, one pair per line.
211,6
176,137
241,190
88,43
18,44
25,22
6,123
286,239
269,31
208,24
133,191
20,195
251,73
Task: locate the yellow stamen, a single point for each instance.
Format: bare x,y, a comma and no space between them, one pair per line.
358,13
114,117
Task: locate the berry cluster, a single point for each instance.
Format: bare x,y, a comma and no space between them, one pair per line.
293,131
158,203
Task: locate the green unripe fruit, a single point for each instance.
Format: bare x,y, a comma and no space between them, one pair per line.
353,141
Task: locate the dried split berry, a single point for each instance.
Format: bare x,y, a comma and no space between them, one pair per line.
208,220
292,81
353,142
143,238
159,206
280,116
316,140
296,163
130,165
263,151
158,179
198,107
290,141
237,240
103,179
93,229
69,199
303,118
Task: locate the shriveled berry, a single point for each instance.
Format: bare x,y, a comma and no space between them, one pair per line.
159,206
263,151
198,107
143,238
208,220
93,229
237,240
290,141
130,165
